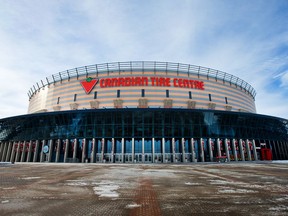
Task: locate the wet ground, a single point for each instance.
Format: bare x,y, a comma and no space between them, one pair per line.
144,189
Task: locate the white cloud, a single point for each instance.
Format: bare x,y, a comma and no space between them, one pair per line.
284,79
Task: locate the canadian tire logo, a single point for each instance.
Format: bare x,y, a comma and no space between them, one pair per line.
88,84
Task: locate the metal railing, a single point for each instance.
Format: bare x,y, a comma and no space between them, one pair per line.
143,66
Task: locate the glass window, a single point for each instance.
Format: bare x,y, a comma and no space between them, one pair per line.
89,148
186,146
95,95
168,148
75,97
210,98
167,93
118,146
99,146
138,146
128,146
118,93
177,146
148,146
190,95
143,93
157,146
108,148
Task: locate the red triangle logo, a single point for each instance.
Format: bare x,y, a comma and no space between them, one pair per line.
88,84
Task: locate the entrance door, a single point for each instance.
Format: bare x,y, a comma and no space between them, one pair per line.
167,158
178,157
188,157
107,158
138,158
128,158
158,158
148,158
98,157
118,158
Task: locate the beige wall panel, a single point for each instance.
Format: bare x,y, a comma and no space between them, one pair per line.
108,101
80,102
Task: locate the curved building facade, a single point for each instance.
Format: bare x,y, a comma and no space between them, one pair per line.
142,84
135,112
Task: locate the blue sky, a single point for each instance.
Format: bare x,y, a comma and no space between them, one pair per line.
248,39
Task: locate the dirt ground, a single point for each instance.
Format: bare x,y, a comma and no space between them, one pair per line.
144,189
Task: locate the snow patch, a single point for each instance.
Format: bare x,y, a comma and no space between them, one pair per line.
282,198
255,186
133,205
278,208
280,161
219,182
9,188
191,183
268,177
5,163
30,178
106,189
77,183
5,201
159,173
229,190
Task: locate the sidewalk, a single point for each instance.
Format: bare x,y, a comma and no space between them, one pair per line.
139,189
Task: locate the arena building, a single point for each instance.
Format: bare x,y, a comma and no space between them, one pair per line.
142,112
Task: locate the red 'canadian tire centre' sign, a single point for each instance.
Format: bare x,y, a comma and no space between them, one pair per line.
89,83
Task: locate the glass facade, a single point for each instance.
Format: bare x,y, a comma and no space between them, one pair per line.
142,135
